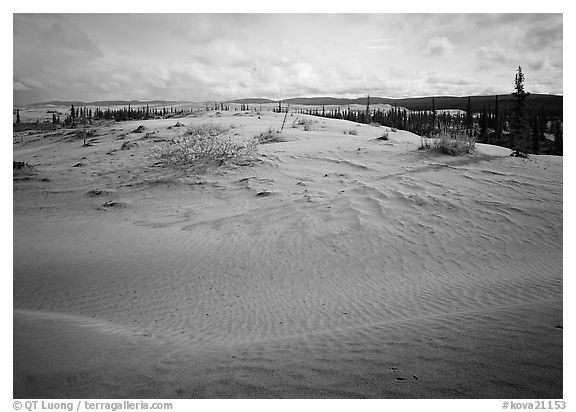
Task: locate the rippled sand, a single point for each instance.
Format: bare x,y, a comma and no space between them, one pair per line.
333,266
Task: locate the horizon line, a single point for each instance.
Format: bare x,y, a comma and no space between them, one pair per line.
271,99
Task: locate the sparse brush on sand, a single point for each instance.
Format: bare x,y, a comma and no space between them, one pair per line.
204,143
454,143
307,123
269,136
451,142
22,168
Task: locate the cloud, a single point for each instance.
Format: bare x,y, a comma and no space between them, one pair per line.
19,86
491,55
63,35
52,33
439,46
379,44
541,37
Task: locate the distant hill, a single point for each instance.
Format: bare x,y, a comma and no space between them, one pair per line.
318,101
252,100
105,103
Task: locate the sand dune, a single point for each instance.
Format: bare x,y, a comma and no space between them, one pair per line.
335,265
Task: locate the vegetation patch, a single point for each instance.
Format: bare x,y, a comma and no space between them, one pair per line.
206,143
139,129
269,136
22,169
307,123
128,145
453,143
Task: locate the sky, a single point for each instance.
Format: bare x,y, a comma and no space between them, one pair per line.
198,57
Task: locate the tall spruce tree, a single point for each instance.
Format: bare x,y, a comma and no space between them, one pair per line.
498,122
368,110
519,126
558,132
469,116
433,115
484,124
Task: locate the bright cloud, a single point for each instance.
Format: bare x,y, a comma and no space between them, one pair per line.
439,46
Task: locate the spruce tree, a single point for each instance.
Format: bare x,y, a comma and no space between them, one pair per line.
433,115
498,119
558,131
519,127
368,110
469,116
484,123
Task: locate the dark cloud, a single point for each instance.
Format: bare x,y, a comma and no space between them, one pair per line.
53,33
62,34
543,37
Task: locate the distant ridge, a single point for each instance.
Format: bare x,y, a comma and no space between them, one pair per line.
252,100
104,102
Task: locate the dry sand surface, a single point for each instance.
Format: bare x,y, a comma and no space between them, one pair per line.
331,265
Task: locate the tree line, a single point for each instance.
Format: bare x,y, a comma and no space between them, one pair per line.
522,130
83,114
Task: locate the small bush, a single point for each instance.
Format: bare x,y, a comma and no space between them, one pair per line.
139,129
128,145
518,153
81,134
204,143
424,144
454,142
20,165
269,136
22,168
306,123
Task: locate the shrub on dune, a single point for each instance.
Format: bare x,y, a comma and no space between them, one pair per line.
454,142
204,143
269,136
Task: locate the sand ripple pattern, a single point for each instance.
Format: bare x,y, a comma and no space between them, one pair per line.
379,274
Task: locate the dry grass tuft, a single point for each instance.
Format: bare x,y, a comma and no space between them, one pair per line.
451,142
269,136
454,143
